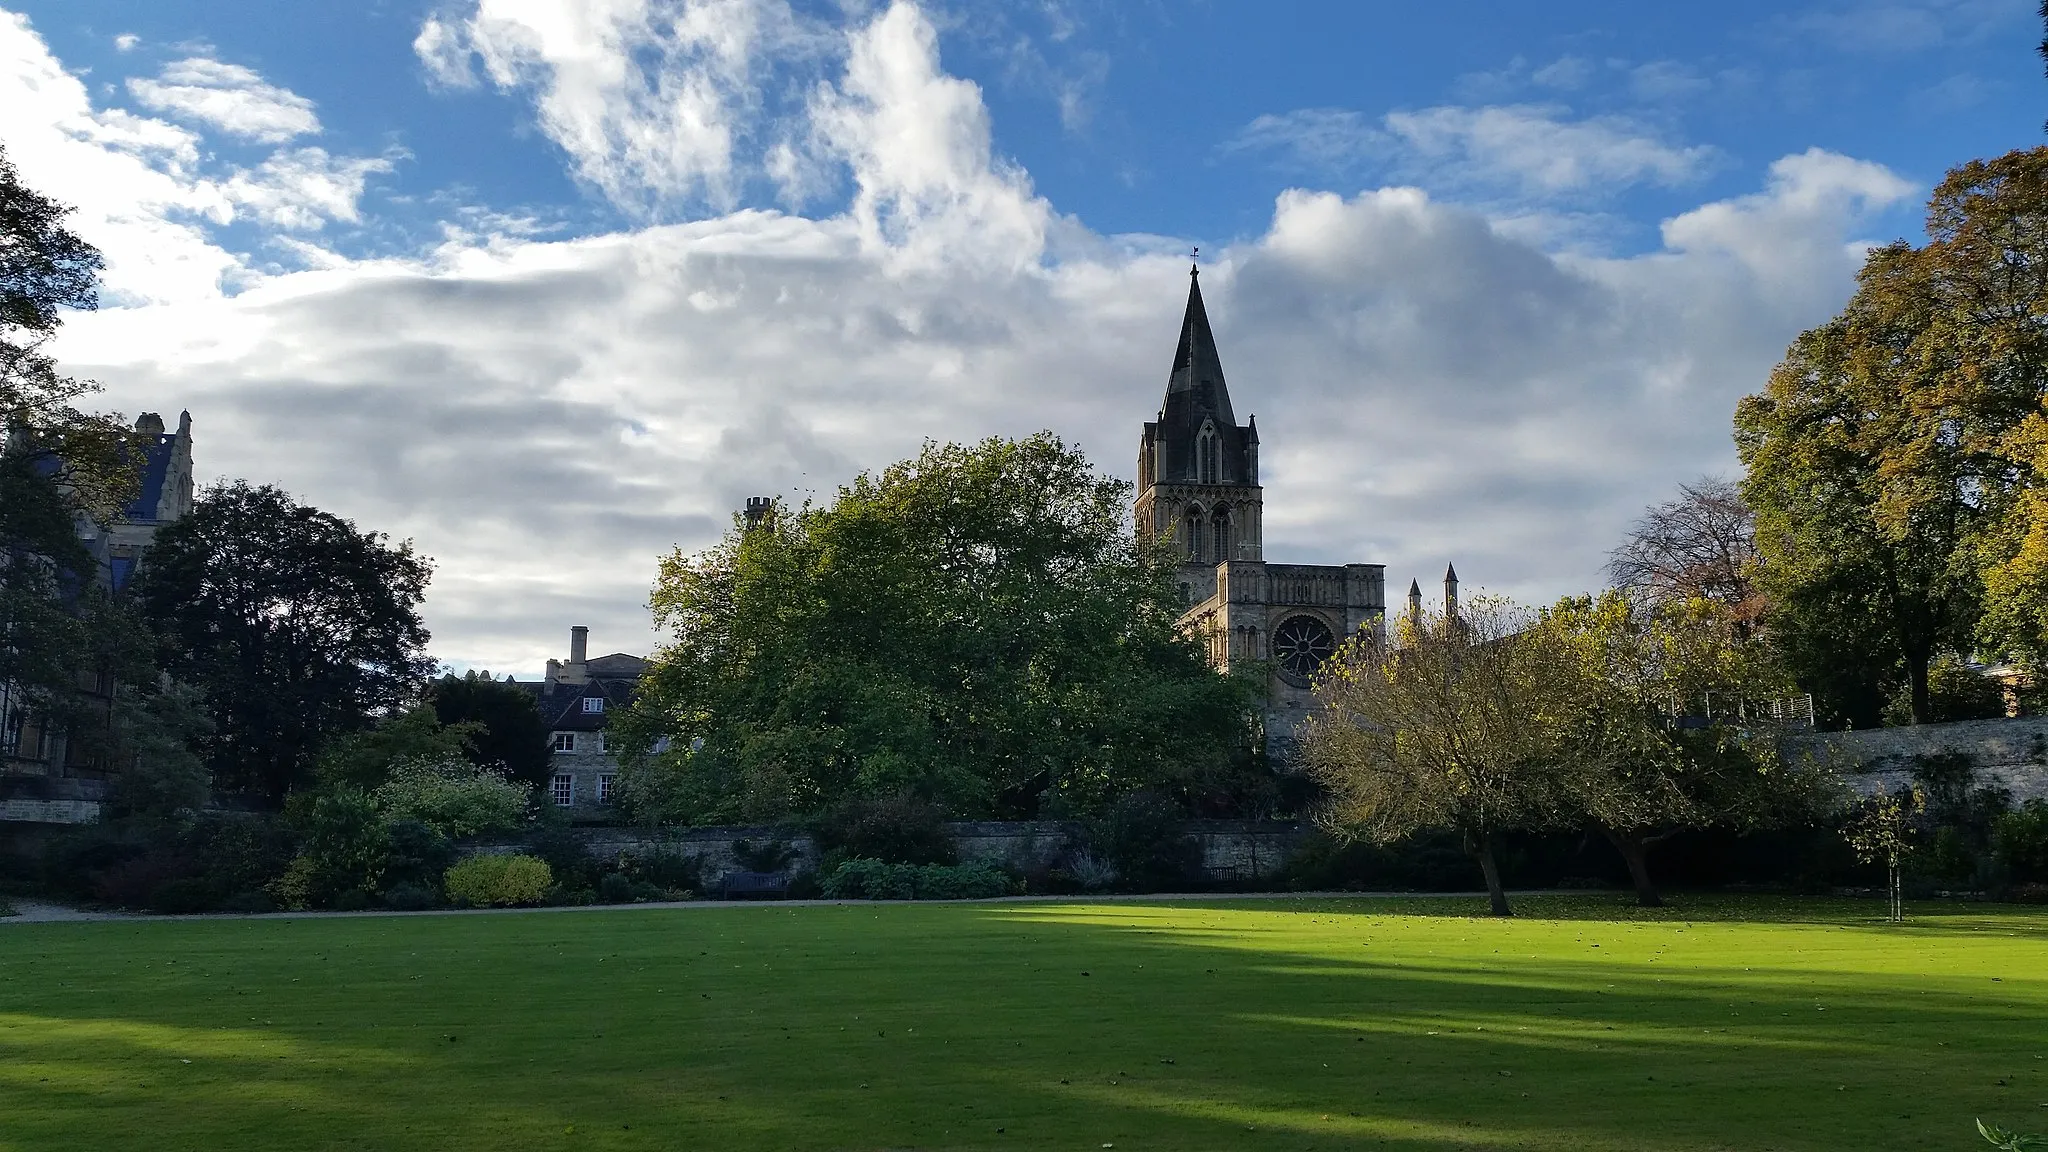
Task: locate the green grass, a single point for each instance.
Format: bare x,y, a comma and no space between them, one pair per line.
1581,1024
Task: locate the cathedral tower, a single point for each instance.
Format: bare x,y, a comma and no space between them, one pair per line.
1198,469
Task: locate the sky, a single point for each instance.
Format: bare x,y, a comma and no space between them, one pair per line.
549,287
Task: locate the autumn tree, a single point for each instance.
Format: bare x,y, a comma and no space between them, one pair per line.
1665,724
1449,723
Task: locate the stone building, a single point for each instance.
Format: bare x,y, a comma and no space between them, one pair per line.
1198,486
44,777
576,698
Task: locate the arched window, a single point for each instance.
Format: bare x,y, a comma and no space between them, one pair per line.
1205,455
1191,535
1221,535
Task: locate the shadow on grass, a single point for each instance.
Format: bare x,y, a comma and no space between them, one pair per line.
1324,1024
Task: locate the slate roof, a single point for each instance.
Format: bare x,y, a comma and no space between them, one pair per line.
1195,393
612,678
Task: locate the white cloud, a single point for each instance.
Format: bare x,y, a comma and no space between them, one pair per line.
1888,27
227,97
1535,151
126,42
546,416
650,99
148,192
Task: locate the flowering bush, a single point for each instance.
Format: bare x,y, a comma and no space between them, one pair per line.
453,796
499,881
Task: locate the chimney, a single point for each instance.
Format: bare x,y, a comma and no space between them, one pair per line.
150,424
576,672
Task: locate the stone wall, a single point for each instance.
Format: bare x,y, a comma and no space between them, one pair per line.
1232,850
2012,754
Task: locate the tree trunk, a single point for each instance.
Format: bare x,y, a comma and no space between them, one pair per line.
1916,679
1487,865
1635,849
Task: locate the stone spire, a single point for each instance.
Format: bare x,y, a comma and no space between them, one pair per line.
1415,603
1196,381
1450,592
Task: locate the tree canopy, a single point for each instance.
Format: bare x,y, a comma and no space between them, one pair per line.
978,627
1449,723
1894,458
503,721
296,625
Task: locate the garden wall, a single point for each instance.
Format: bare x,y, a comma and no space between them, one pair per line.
1232,850
2009,753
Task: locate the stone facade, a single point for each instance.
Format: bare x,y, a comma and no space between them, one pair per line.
43,778
1198,486
576,699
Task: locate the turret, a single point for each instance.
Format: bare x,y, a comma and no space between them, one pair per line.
1450,592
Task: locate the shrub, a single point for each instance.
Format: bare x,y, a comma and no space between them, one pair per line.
410,898
764,855
180,897
499,881
293,890
347,843
350,900
418,856
860,879
452,796
667,868
567,858
615,889
2020,841
1143,835
897,829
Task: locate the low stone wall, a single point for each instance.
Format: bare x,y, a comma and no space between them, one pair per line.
50,799
2010,754
1232,850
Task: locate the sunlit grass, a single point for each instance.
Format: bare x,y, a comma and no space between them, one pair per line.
1583,1023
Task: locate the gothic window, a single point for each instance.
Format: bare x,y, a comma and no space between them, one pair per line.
1222,535
1300,645
1206,471
1191,535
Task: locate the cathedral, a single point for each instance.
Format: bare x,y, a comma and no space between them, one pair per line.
1198,487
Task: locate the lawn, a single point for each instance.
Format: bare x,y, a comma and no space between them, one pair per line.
1582,1024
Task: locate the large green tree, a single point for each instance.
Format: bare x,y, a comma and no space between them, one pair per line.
297,626
1894,457
61,636
506,728
977,627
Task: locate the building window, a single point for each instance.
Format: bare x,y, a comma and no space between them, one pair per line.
593,704
562,789
604,788
1191,536
565,741
1222,552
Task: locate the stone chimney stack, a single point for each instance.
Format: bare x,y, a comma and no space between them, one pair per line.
577,671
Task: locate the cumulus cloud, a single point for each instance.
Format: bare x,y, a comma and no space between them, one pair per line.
148,192
650,99
1532,150
546,416
228,98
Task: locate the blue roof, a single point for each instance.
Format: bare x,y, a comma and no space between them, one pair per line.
156,466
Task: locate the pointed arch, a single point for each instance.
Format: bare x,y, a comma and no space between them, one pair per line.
1194,529
1220,534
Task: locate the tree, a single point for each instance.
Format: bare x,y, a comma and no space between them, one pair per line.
1867,500
1881,829
1700,546
364,758
298,627
1664,725
1450,724
505,724
976,627
58,465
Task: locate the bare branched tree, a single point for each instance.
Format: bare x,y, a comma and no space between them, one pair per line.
1699,545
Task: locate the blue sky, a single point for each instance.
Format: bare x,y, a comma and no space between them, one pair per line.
550,286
